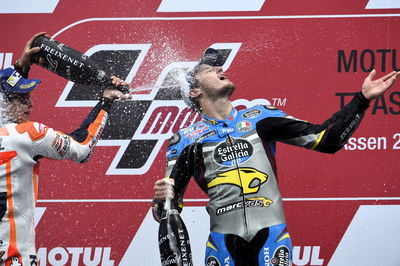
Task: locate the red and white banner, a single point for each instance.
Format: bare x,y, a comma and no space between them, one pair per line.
305,57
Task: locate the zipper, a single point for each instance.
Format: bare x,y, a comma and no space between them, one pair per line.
229,141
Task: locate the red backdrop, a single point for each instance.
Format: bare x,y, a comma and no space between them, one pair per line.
302,56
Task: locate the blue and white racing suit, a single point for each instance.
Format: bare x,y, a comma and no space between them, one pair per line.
233,161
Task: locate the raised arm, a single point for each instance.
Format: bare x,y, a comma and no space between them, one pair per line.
332,135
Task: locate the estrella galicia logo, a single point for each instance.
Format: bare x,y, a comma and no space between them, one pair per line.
213,261
231,154
281,257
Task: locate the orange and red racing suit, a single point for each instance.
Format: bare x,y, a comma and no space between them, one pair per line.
21,147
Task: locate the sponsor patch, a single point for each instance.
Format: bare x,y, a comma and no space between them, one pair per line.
251,113
223,131
236,152
212,261
199,130
244,126
190,129
208,134
281,256
249,203
62,144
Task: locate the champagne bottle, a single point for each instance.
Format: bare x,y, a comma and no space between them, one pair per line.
70,64
173,238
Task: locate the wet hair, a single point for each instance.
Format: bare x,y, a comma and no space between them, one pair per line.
210,57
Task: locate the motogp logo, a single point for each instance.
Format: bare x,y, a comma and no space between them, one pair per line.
141,126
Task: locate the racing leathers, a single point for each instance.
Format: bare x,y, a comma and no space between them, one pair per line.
21,147
233,162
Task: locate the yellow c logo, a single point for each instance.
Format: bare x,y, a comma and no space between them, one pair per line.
248,179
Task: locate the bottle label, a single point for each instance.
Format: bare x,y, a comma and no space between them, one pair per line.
68,63
59,53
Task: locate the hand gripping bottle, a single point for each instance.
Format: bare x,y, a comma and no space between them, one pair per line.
70,64
173,238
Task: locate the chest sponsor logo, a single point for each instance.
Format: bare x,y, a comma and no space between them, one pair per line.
248,179
251,113
234,152
244,126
